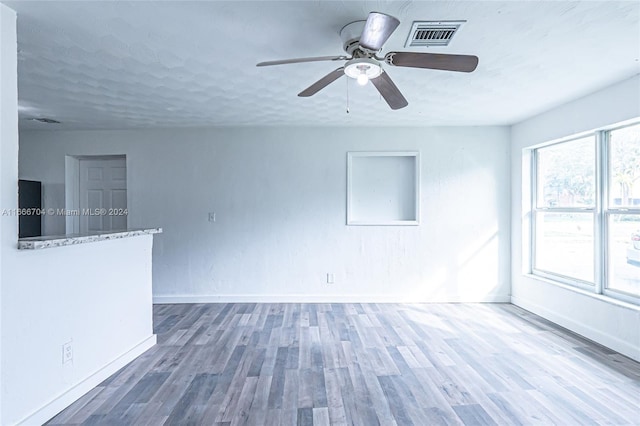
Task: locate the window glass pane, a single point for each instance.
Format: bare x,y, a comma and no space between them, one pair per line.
566,174
624,253
564,244
624,175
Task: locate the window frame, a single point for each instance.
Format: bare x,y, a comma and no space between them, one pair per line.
535,210
601,211
607,211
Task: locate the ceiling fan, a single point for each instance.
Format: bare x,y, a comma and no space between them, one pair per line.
362,41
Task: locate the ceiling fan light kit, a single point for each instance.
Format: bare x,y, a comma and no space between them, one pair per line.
363,69
362,40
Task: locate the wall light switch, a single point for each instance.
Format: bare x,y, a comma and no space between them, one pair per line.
330,278
212,216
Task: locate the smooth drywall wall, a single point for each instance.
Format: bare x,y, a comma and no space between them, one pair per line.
96,296
610,323
279,198
8,158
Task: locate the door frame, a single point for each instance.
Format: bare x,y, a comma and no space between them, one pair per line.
72,187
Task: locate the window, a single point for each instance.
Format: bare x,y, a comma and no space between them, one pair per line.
565,209
622,210
586,212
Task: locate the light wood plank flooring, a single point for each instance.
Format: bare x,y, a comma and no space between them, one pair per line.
363,364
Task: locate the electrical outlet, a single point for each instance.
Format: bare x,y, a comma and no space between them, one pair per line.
67,353
330,278
212,216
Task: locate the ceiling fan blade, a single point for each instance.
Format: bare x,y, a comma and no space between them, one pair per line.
434,61
389,91
377,30
322,83
299,60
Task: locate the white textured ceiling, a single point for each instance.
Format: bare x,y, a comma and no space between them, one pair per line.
100,65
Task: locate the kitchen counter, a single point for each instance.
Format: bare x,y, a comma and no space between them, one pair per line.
35,243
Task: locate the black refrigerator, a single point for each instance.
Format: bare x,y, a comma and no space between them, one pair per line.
29,197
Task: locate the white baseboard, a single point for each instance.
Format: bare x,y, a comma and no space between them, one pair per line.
337,298
74,393
590,333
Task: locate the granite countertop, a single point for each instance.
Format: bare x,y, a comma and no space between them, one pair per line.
34,243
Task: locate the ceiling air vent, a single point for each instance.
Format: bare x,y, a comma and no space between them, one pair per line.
432,33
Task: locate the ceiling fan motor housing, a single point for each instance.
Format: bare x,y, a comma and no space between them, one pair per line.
350,35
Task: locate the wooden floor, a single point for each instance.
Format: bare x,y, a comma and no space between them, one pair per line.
363,364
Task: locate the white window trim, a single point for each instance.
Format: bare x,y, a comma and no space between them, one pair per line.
601,212
607,211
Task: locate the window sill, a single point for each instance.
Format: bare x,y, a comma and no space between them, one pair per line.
600,297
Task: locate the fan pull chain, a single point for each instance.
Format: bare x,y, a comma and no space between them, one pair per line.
347,80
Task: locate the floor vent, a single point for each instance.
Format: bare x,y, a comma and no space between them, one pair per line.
432,33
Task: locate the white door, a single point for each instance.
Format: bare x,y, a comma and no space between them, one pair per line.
103,194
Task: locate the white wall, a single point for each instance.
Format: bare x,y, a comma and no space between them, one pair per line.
8,152
48,297
612,324
97,295
279,195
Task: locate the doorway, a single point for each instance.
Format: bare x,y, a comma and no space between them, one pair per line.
96,193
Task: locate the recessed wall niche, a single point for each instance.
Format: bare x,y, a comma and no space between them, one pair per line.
383,188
